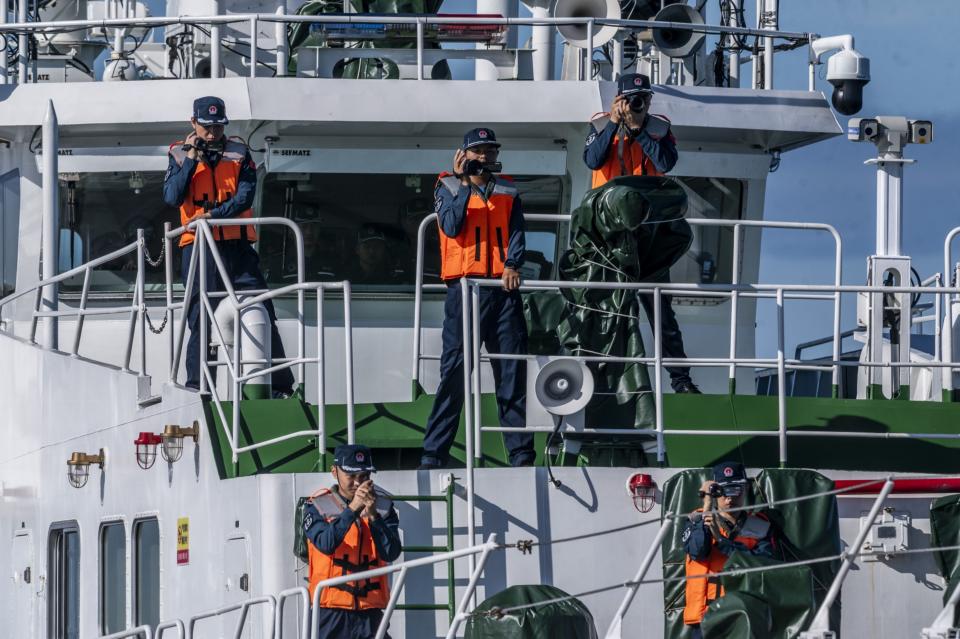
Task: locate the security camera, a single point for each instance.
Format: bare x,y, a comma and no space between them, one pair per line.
860,129
921,131
847,70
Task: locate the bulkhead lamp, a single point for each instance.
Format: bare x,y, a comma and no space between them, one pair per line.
643,491
173,435
146,445
78,467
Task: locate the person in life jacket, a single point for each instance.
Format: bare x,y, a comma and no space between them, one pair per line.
481,236
350,528
712,533
210,176
630,141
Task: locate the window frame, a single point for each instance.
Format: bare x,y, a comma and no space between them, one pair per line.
101,572
56,569
12,175
135,589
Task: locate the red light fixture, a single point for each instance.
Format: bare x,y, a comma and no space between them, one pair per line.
643,491
146,445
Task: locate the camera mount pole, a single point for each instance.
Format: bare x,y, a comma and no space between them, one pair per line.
888,266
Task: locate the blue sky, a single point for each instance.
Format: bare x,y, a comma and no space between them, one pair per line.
914,73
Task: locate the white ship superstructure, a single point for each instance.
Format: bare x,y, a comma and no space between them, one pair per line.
92,329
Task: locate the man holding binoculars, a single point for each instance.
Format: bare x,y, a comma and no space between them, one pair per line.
481,236
713,532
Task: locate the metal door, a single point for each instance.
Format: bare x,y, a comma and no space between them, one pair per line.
24,584
238,587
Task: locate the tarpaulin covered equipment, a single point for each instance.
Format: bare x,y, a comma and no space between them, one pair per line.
777,603
567,618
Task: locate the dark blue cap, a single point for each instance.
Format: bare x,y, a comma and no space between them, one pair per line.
354,458
476,137
210,110
729,473
633,83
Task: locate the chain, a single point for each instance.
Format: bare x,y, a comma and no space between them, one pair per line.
163,324
154,263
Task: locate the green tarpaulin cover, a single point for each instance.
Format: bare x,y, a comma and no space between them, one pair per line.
945,531
566,619
628,230
777,603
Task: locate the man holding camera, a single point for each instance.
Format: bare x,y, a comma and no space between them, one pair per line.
635,142
210,176
350,528
713,532
482,236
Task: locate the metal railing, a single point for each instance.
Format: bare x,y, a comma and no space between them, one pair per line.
242,606
737,227
136,308
23,29
203,243
306,622
483,550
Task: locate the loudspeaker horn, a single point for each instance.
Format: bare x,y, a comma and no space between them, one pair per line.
678,43
564,386
576,34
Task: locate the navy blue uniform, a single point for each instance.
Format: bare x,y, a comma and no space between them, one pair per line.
336,623
698,541
662,151
239,258
503,329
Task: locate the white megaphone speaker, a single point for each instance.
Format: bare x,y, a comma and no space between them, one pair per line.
564,387
577,34
678,43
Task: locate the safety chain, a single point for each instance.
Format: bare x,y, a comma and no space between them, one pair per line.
163,324
154,263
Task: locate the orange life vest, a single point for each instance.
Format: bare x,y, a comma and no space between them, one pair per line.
700,592
481,247
635,162
356,553
214,186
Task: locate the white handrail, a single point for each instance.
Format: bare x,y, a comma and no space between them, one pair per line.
483,550
243,606
821,622
22,28
140,631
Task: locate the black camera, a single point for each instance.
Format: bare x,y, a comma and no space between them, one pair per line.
637,102
202,145
727,490
476,167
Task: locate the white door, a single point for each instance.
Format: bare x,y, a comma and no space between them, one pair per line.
238,587
24,584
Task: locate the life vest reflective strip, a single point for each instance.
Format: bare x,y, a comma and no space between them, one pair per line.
356,553
631,161
214,187
481,248
700,592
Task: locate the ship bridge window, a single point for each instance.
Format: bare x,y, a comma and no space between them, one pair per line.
709,259
364,227
63,561
9,231
100,213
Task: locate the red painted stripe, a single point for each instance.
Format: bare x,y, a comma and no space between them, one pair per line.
903,486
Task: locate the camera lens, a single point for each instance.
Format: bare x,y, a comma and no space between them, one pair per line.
637,102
